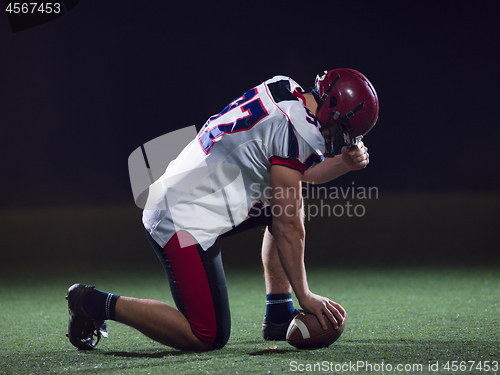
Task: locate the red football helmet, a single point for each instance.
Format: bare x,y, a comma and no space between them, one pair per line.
346,98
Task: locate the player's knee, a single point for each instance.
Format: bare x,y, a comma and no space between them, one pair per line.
214,337
221,340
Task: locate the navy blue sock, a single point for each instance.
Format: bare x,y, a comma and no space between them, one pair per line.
279,307
100,305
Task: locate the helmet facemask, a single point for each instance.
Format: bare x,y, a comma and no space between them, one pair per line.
343,129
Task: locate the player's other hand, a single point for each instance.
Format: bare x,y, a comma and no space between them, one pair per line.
323,308
355,157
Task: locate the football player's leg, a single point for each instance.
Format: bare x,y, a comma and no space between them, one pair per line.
159,321
198,286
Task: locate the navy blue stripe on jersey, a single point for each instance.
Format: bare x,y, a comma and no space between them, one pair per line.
256,209
314,158
293,143
280,91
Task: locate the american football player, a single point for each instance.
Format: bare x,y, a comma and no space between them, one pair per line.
244,169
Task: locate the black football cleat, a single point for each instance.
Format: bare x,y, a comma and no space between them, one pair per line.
272,331
83,331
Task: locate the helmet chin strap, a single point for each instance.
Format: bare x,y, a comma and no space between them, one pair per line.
325,95
330,138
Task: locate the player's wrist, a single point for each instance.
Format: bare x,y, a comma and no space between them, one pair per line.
303,296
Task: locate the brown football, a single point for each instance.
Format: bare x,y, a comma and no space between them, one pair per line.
305,332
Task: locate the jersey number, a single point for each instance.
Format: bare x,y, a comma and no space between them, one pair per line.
241,114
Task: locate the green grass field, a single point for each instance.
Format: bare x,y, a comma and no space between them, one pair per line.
412,317
418,275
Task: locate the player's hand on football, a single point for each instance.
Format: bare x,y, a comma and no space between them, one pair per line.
324,308
356,157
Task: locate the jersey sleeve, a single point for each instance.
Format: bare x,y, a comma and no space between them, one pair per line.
297,142
290,163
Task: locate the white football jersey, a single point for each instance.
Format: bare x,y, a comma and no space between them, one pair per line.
221,177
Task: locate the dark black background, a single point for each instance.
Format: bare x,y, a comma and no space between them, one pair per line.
81,92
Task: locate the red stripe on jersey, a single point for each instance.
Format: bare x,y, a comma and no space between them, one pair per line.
299,95
290,163
190,276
